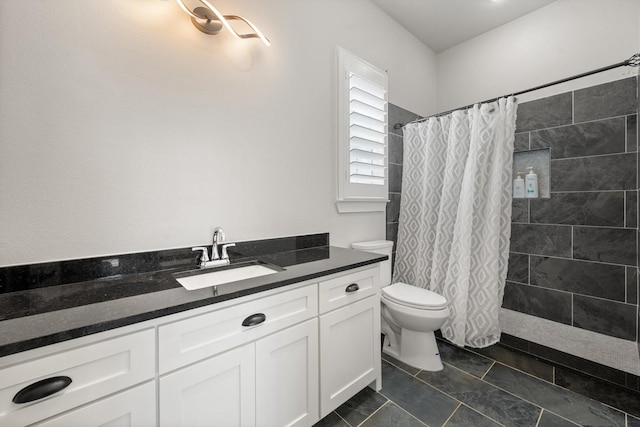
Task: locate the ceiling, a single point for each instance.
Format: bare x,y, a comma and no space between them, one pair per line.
441,24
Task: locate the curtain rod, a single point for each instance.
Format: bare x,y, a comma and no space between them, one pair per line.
634,61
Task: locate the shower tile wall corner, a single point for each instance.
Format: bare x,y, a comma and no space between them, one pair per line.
578,251
396,115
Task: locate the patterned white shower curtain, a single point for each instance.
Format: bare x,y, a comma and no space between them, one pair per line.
455,215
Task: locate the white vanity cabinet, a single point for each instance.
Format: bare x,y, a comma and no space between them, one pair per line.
256,364
282,357
349,337
95,370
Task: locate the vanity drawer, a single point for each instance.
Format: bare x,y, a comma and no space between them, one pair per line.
343,290
95,370
189,340
134,407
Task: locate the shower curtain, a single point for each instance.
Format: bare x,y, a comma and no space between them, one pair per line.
455,215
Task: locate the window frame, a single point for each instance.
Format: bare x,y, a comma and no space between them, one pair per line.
352,196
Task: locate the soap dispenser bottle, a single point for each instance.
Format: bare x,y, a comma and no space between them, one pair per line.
531,183
518,187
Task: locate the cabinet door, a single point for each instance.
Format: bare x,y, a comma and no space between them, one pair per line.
131,408
349,351
219,391
287,377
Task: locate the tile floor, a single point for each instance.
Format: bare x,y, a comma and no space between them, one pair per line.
471,391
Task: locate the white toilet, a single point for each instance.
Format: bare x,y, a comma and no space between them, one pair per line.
410,315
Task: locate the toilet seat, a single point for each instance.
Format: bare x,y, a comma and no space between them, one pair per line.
412,296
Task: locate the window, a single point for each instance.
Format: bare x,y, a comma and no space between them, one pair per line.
363,177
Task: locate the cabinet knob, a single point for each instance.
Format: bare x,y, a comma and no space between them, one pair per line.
254,319
41,389
352,288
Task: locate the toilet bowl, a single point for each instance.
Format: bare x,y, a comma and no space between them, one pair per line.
410,315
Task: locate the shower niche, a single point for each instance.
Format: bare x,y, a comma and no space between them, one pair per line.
539,160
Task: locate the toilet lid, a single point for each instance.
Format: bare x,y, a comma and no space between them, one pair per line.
412,296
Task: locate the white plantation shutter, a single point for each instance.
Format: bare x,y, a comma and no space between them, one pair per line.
362,135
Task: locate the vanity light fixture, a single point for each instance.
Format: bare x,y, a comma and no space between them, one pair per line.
210,21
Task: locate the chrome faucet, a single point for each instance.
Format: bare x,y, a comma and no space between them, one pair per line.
218,257
218,238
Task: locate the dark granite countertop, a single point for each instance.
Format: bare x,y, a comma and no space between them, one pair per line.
47,315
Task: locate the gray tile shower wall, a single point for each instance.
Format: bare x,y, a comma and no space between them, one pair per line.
396,115
574,257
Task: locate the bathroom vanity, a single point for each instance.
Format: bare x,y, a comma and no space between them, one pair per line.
284,349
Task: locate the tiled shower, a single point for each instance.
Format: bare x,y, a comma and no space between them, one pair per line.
574,256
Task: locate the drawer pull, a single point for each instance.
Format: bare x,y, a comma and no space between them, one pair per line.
352,288
41,389
254,319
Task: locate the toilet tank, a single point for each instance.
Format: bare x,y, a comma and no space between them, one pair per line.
383,247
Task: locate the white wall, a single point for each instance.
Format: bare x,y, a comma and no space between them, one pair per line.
565,38
124,129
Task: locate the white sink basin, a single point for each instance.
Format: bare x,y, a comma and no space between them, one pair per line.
207,278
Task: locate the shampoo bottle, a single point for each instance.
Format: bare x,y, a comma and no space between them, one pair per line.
531,183
518,187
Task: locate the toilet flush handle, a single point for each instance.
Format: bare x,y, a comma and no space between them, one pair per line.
352,288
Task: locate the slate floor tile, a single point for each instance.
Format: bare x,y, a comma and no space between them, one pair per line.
632,421
565,403
483,397
392,415
424,402
361,406
618,397
465,360
518,360
552,420
407,368
465,417
331,420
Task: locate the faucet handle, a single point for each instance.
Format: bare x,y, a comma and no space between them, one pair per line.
205,253
225,255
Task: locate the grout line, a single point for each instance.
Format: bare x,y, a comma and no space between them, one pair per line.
571,259
572,245
487,371
400,407
573,107
539,417
576,123
547,224
452,414
624,212
572,311
572,293
370,415
626,134
620,153
589,191
345,421
626,285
